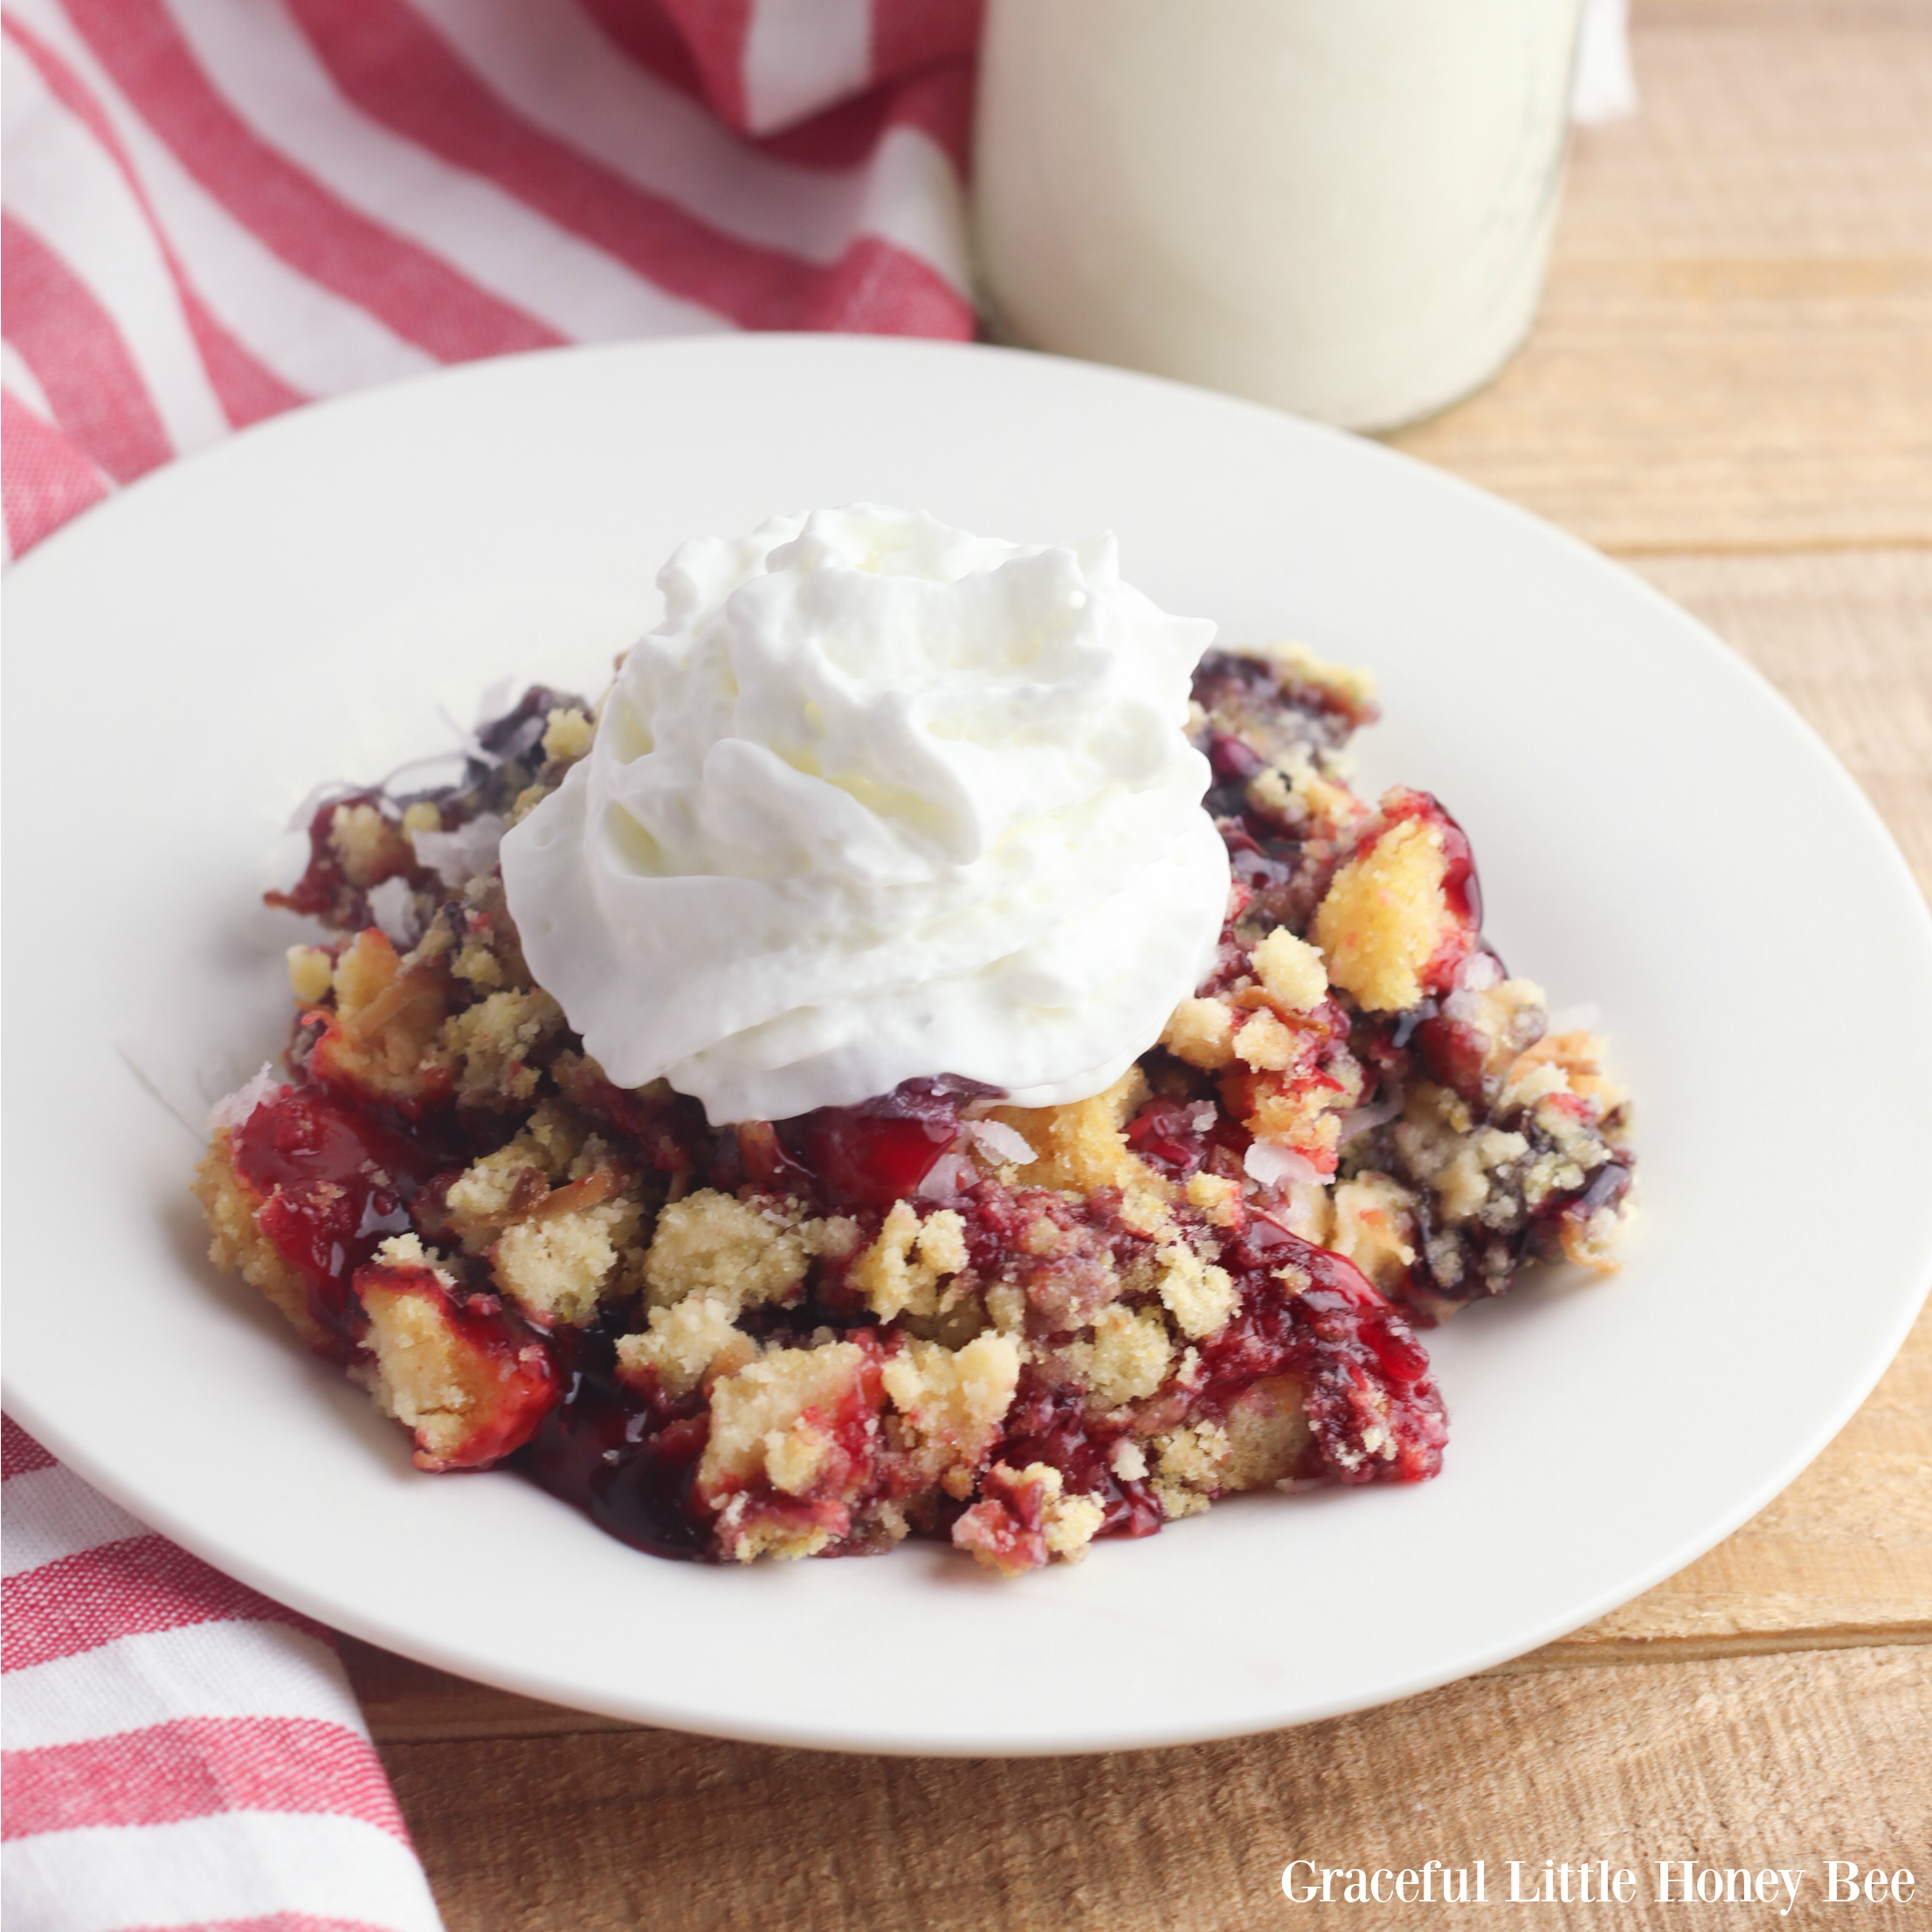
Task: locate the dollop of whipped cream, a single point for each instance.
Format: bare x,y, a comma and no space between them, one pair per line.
879,799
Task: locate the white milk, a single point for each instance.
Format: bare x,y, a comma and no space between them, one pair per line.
1343,207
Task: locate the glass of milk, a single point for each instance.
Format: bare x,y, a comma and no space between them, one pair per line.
1342,207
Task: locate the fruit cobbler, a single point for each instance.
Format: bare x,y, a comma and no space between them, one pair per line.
933,1314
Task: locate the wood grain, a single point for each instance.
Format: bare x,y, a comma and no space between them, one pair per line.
1735,346
1754,1761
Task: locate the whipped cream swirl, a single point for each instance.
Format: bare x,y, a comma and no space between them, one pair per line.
880,799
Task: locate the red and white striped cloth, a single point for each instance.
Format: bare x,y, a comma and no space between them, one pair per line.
179,1751
216,209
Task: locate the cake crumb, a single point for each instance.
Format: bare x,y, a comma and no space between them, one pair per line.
1375,1227
1290,971
237,1245
1189,1461
1385,917
954,1400
1071,1523
558,1268
1215,1196
1083,1146
311,974
1201,1031
493,1043
367,846
714,1244
567,735
1264,1044
468,1401
900,1271
686,1342
1199,1295
1130,1353
1023,1520
1267,1433
769,1421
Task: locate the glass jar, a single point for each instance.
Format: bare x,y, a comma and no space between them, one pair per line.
1342,207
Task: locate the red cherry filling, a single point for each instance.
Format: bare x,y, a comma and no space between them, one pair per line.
1006,1529
630,1464
1050,1426
325,890
473,1381
879,1152
1375,1414
1164,1132
337,1183
1453,1052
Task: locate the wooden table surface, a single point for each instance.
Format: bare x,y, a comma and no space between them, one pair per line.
1730,387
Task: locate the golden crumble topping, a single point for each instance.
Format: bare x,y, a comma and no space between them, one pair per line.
1290,970
770,1423
1374,1226
367,847
899,1273
237,1245
685,1342
557,1267
567,735
935,1314
738,1252
1200,1295
1202,1033
1384,918
1081,1146
954,1400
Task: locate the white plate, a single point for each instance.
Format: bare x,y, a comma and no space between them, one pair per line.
1657,831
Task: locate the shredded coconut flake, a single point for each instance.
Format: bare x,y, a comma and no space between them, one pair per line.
498,701
458,856
949,1173
1365,1120
304,815
233,1109
1478,972
1002,1141
1271,1165
393,906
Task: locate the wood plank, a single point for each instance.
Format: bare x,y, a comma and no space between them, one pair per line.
1753,1763
1736,349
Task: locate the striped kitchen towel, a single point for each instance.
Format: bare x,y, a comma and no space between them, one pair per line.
216,209
178,1751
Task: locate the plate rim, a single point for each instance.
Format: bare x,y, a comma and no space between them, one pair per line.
536,1682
